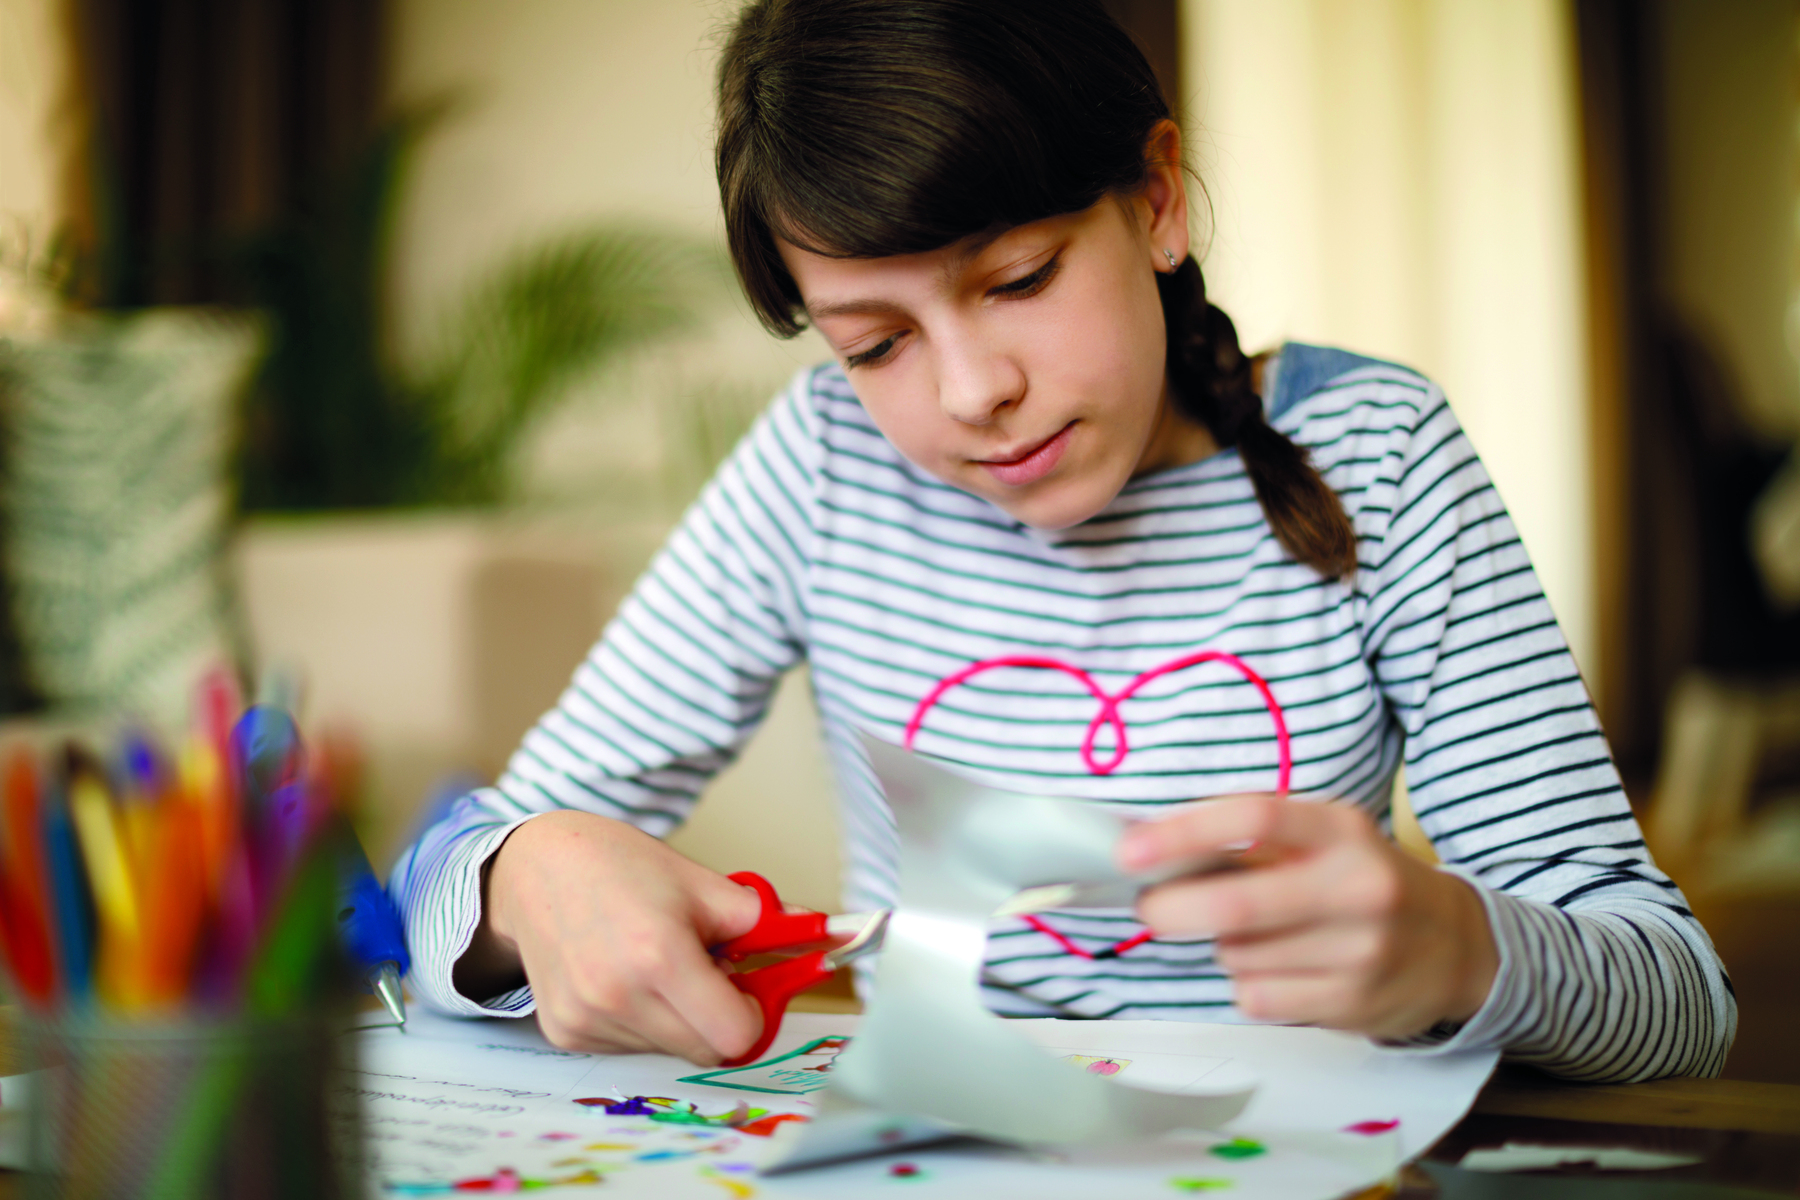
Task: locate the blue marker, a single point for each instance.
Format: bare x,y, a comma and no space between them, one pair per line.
373,934
72,904
266,745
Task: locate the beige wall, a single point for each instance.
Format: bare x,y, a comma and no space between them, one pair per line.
1399,177
566,109
569,111
30,83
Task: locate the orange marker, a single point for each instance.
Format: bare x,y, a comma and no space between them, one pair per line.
174,894
206,791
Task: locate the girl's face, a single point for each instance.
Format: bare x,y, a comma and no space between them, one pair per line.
1026,368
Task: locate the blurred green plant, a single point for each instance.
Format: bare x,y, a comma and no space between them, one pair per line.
700,426
334,420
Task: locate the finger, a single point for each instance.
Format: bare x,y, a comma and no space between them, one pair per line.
1330,1001
722,910
700,992
628,994
1296,999
591,1035
650,1019
1346,946
1261,900
1230,823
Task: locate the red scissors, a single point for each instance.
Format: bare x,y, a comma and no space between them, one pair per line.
779,930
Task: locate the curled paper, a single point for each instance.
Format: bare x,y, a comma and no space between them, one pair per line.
928,1055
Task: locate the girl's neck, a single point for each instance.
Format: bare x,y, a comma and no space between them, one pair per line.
1178,439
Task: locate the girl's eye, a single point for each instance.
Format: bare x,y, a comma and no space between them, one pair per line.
873,355
1028,285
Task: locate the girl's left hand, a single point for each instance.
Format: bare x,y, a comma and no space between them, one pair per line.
1329,923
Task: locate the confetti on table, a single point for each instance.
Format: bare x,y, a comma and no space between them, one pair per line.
1191,1183
766,1126
1239,1148
738,1188
1371,1128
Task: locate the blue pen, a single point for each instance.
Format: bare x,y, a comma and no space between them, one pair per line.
73,904
373,934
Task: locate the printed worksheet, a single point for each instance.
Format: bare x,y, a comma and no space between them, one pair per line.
451,1107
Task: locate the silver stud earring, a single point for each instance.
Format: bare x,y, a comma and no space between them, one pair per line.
1170,255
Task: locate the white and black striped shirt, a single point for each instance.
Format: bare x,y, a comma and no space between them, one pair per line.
819,541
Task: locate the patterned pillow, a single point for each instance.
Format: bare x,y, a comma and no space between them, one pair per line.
116,505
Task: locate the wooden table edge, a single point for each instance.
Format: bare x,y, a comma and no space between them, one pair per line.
1685,1102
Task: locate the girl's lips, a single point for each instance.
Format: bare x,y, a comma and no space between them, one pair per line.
1033,465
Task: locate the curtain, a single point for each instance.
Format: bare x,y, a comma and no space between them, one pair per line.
1401,178
202,120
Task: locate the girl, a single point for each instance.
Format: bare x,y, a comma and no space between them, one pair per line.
1038,437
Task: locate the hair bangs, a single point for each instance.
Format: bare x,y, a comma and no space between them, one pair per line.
877,129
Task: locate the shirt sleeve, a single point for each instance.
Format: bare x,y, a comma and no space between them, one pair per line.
1605,974
679,680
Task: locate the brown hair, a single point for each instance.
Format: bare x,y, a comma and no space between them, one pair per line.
871,128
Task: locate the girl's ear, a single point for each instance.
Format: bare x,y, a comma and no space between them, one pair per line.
1162,204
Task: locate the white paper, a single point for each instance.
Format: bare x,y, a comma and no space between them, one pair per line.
15,1093
928,1045
1520,1156
451,1101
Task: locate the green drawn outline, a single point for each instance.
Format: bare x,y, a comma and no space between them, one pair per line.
711,1077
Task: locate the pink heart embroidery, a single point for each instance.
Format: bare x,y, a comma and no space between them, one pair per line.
1109,715
1109,704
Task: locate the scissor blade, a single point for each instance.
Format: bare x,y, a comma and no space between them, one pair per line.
863,934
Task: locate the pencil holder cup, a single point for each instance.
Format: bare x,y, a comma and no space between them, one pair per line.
193,1109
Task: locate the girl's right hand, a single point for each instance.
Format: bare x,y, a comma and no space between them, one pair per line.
611,929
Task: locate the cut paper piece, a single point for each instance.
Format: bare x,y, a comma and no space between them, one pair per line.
767,1125
636,1106
1239,1148
738,1189
741,1115
1095,1064
1521,1156
928,1046
667,1111
504,1181
1192,1183
792,1074
1371,1128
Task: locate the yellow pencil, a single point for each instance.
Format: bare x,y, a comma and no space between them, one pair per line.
115,892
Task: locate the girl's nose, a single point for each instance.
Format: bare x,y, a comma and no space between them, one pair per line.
976,381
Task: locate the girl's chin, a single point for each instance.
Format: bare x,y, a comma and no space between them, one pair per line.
1054,504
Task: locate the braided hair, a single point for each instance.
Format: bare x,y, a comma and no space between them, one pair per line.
870,128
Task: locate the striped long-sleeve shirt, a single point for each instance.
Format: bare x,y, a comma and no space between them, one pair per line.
818,541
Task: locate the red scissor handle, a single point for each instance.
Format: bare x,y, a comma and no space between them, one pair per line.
774,985
774,929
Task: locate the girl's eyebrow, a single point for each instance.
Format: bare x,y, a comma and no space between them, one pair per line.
852,308
966,252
